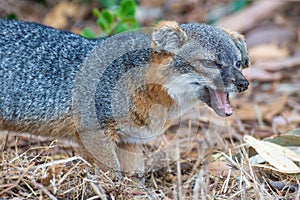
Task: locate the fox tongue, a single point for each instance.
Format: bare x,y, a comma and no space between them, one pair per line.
223,103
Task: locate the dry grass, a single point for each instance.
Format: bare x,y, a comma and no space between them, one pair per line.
35,169
193,166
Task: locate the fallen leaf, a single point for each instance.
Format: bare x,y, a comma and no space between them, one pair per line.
279,157
257,159
265,52
295,132
285,140
278,65
249,111
246,112
274,108
271,33
221,168
258,74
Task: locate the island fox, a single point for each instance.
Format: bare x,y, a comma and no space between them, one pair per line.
111,94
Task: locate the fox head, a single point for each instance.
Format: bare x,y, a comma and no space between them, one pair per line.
206,62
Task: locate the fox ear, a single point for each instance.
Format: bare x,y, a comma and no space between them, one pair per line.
168,36
239,41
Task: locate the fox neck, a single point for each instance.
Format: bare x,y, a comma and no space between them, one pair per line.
173,85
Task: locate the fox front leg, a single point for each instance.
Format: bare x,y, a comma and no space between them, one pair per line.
131,159
101,149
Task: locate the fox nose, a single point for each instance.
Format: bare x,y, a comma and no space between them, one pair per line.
242,85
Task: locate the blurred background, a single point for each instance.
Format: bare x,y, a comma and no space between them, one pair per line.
270,107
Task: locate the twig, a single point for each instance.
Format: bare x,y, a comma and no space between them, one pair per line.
98,190
200,185
19,179
4,141
177,151
41,187
56,162
249,17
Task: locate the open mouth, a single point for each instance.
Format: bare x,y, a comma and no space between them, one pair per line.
219,101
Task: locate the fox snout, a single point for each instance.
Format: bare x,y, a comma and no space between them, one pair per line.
234,79
242,84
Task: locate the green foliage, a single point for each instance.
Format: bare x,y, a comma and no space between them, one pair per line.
103,3
42,2
227,9
115,20
239,4
11,16
108,3
88,33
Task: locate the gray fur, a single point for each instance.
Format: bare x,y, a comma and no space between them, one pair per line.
38,65
217,44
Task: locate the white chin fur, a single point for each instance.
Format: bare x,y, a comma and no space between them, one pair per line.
180,89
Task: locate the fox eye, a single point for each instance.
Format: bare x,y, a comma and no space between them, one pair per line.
218,64
238,64
210,64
